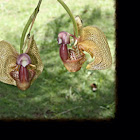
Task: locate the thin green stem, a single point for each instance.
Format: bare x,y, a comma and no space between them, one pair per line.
71,16
30,20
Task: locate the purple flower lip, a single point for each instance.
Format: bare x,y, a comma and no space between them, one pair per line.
63,38
23,59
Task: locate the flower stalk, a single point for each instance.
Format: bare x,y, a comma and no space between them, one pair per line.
29,22
71,16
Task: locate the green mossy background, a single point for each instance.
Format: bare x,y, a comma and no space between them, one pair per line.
57,93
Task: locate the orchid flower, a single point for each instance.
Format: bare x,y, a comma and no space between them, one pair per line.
90,39
21,69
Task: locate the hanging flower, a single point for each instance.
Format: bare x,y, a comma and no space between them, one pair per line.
19,69
90,39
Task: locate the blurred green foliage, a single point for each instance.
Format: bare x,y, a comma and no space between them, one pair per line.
58,93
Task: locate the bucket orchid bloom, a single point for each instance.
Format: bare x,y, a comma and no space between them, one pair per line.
92,40
19,69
